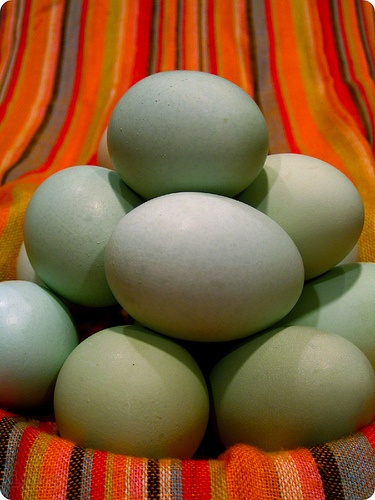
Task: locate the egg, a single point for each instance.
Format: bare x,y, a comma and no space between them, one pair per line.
316,204
341,301
104,160
131,391
24,269
352,256
292,387
187,130
37,334
68,222
202,267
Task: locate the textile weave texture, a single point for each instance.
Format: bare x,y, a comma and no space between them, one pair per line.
64,64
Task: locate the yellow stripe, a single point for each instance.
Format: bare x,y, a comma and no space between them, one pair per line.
34,466
218,479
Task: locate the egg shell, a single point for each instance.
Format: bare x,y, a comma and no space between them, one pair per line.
316,204
341,301
68,223
24,269
352,256
292,387
203,267
104,160
187,130
37,334
131,391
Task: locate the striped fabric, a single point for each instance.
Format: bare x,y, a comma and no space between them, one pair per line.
35,463
309,64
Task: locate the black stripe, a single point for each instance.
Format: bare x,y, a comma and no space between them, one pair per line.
200,31
359,5
178,34
153,44
6,426
75,473
153,480
329,472
253,50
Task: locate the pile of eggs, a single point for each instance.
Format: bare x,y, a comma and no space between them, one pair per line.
248,318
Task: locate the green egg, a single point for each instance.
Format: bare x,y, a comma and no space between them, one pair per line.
129,390
341,301
187,131
316,204
67,225
292,387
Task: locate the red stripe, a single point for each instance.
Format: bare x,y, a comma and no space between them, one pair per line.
196,481
369,433
334,62
98,474
275,80
19,59
140,69
211,36
27,440
71,109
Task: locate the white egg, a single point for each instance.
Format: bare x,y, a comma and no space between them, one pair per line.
130,391
204,267
316,204
187,131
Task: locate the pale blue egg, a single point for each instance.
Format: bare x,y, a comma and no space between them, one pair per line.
37,333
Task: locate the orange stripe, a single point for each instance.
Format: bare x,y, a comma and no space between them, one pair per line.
116,477
232,42
55,454
34,83
256,470
190,37
168,36
338,140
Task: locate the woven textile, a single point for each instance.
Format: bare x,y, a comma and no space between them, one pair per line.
309,64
